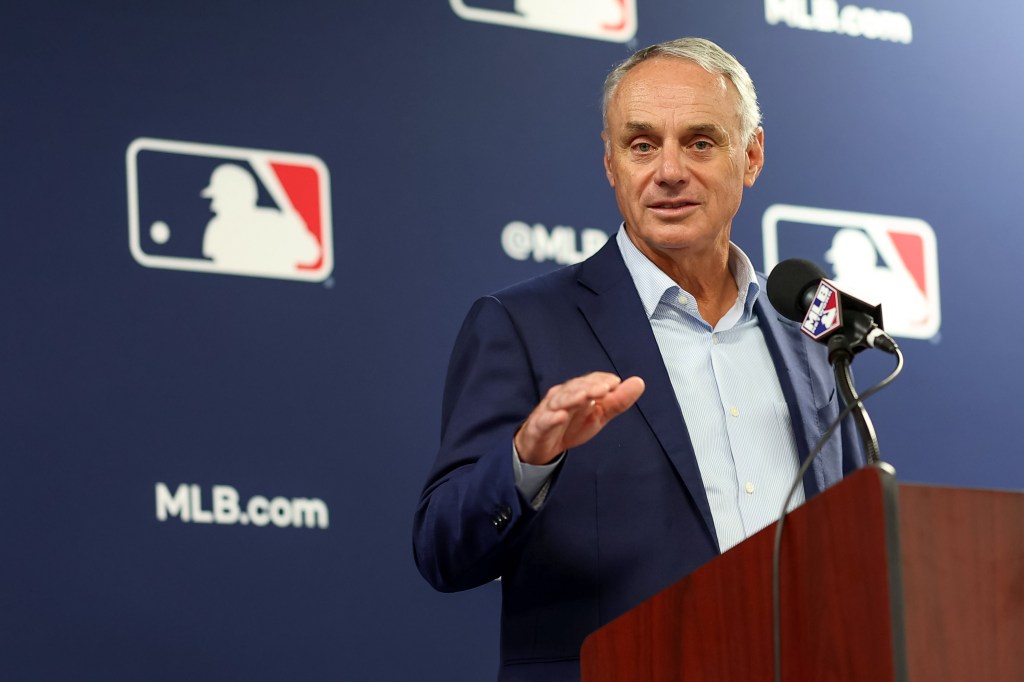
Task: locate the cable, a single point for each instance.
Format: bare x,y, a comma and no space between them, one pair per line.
777,551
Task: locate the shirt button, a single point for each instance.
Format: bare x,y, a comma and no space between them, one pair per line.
714,339
734,411
683,299
749,488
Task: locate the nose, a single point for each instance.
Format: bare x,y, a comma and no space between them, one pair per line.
672,168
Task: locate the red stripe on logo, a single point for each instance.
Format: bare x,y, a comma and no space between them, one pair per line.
911,250
622,22
303,189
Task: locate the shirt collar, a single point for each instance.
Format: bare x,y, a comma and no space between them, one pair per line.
651,282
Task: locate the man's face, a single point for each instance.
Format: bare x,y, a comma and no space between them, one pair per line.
676,157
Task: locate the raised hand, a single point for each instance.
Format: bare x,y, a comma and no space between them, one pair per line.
574,412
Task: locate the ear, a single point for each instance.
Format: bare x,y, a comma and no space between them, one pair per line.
608,158
755,158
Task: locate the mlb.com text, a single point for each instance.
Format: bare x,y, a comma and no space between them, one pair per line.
186,504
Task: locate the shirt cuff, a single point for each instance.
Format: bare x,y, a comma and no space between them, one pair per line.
532,478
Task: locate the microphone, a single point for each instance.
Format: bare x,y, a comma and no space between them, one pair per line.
799,290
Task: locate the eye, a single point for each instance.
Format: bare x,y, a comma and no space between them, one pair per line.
643,147
702,145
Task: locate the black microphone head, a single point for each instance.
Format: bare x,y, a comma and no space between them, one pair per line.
791,287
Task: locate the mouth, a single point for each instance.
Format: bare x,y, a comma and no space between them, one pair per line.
671,206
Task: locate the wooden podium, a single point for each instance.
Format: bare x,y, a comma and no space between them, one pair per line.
879,581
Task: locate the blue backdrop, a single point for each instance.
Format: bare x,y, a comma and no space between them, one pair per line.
209,468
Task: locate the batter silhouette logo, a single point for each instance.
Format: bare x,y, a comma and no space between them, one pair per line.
229,210
884,259
612,20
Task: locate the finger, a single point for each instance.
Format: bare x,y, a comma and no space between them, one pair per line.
623,397
545,421
608,402
571,397
578,392
573,412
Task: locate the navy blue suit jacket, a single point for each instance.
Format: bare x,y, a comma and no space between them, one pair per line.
626,514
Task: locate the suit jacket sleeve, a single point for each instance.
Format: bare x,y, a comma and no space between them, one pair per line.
471,516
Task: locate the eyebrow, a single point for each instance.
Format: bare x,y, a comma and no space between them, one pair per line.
638,127
709,129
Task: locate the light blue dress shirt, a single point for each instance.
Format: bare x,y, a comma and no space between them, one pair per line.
728,393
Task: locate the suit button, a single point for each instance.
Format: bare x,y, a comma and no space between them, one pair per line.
502,515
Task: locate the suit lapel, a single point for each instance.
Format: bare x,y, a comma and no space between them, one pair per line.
610,303
802,385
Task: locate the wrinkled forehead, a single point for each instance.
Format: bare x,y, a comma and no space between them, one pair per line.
673,83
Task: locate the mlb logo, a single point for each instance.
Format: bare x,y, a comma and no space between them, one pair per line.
229,210
613,20
824,316
891,260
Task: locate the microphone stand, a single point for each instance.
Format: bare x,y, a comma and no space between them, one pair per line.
841,348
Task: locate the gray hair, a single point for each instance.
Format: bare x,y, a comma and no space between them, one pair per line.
704,54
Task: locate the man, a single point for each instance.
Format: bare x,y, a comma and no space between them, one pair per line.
610,427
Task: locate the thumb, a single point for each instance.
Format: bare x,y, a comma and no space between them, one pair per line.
623,396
